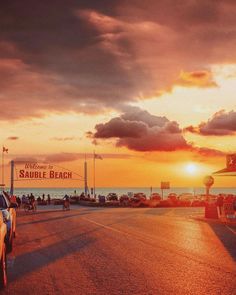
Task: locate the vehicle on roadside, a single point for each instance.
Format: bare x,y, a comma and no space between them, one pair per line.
124,200
172,196
101,199
155,197
3,252
9,217
138,197
112,197
198,203
173,199
186,196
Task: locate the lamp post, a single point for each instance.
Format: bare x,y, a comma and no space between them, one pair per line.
208,181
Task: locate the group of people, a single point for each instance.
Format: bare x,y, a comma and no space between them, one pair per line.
225,199
44,200
30,200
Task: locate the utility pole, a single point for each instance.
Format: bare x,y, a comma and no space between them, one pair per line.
12,178
85,177
3,184
94,174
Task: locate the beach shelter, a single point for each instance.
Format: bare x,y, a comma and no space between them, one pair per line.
230,169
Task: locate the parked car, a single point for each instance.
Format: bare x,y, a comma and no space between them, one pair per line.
9,217
155,197
112,197
3,250
124,200
186,196
138,197
101,199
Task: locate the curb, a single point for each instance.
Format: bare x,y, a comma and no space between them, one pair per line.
207,220
228,224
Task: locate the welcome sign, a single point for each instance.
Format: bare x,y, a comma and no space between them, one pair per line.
42,171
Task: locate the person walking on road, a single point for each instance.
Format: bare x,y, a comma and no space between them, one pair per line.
66,202
32,201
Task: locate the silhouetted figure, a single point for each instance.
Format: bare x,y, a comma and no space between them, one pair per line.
32,201
49,199
18,200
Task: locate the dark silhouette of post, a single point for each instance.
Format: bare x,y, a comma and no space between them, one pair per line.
12,178
85,178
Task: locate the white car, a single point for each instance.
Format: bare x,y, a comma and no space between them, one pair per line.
3,251
9,217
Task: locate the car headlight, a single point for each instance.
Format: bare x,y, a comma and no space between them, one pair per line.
6,215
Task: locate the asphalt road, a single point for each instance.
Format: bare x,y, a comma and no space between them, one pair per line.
121,251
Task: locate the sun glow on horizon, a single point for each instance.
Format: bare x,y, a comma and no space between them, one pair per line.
191,168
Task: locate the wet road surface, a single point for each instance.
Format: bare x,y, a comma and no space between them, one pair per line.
121,251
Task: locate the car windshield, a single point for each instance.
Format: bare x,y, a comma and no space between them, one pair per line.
3,203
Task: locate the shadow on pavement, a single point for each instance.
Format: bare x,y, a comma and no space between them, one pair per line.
51,219
32,261
158,211
227,238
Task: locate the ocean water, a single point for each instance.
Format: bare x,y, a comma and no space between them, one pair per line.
60,192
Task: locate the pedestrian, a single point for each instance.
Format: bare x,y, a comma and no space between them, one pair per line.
18,200
24,199
66,202
49,199
32,201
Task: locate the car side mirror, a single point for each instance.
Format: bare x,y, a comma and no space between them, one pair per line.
13,205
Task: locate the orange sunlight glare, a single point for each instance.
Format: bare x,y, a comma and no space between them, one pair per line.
191,168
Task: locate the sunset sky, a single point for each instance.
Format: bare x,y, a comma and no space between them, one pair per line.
149,85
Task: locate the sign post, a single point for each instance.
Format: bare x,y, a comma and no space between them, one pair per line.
164,185
12,179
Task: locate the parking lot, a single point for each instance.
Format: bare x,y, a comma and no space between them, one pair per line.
121,251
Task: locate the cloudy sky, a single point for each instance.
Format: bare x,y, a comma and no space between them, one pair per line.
150,85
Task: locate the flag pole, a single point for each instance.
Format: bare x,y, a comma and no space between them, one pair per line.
94,174
85,176
2,167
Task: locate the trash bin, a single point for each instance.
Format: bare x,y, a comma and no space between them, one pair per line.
211,211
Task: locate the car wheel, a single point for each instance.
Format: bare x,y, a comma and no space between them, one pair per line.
3,268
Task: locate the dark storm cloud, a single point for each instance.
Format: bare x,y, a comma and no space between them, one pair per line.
89,56
140,131
222,123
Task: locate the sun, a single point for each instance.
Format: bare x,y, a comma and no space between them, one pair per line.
191,168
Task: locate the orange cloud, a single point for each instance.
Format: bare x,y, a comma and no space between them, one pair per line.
221,124
13,138
138,130
196,79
